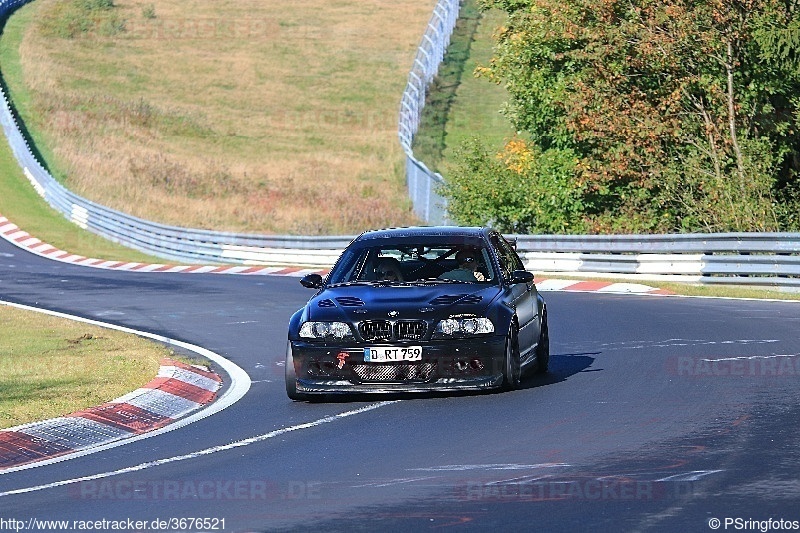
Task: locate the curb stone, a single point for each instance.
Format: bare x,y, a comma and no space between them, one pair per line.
177,390
22,239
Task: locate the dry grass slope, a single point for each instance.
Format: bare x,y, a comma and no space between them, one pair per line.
256,116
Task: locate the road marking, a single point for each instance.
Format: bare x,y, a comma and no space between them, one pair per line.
695,475
201,453
464,468
750,357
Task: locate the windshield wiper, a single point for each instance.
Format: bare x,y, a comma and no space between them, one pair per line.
380,282
439,280
349,283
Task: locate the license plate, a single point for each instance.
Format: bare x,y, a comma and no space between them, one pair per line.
387,354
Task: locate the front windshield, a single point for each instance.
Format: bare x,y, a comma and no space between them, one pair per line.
415,263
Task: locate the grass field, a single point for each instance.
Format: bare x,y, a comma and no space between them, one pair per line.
51,366
461,106
243,117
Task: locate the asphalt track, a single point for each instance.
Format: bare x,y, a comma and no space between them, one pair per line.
659,414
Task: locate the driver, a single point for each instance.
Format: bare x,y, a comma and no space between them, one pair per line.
467,269
388,269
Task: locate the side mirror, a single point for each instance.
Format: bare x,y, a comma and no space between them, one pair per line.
311,281
521,276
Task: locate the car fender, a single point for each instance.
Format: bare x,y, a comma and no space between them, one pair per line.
294,324
503,315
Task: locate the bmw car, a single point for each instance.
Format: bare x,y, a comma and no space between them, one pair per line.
418,309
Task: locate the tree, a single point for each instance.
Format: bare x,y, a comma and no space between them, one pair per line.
679,115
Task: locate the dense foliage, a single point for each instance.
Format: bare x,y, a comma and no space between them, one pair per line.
641,116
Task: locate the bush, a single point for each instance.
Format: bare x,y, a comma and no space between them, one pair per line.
520,189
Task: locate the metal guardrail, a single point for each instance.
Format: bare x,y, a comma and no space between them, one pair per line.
733,258
741,258
705,243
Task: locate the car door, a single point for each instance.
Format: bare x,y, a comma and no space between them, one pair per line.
522,296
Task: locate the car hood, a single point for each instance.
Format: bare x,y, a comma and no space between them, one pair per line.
370,302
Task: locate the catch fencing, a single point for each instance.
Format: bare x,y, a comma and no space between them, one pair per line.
741,258
423,184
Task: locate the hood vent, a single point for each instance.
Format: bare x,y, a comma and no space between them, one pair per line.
350,301
326,303
472,299
450,299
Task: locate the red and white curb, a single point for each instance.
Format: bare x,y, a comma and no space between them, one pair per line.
22,239
176,391
544,284
13,234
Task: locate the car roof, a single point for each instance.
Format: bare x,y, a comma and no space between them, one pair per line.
424,231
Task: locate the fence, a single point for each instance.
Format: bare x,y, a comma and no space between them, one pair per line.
738,258
742,258
428,204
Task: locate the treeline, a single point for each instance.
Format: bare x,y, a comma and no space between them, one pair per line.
640,116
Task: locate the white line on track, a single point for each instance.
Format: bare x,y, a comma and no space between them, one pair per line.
201,453
240,384
750,357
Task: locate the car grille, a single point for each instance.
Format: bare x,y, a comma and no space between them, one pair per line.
410,330
386,373
387,330
376,330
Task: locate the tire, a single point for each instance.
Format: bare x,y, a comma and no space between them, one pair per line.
291,377
543,347
511,370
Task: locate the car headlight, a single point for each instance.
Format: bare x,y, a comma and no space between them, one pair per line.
325,330
464,327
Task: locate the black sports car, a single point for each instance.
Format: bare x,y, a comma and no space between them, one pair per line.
418,309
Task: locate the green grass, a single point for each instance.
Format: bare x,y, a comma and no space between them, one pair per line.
459,105
728,291
11,68
478,104
51,366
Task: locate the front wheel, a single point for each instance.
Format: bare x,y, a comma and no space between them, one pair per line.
511,371
543,347
291,377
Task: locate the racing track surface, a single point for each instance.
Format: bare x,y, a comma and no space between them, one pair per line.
635,429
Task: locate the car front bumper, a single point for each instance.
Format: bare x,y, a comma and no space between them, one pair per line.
446,365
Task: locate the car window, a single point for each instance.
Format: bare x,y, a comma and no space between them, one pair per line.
508,258
411,262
